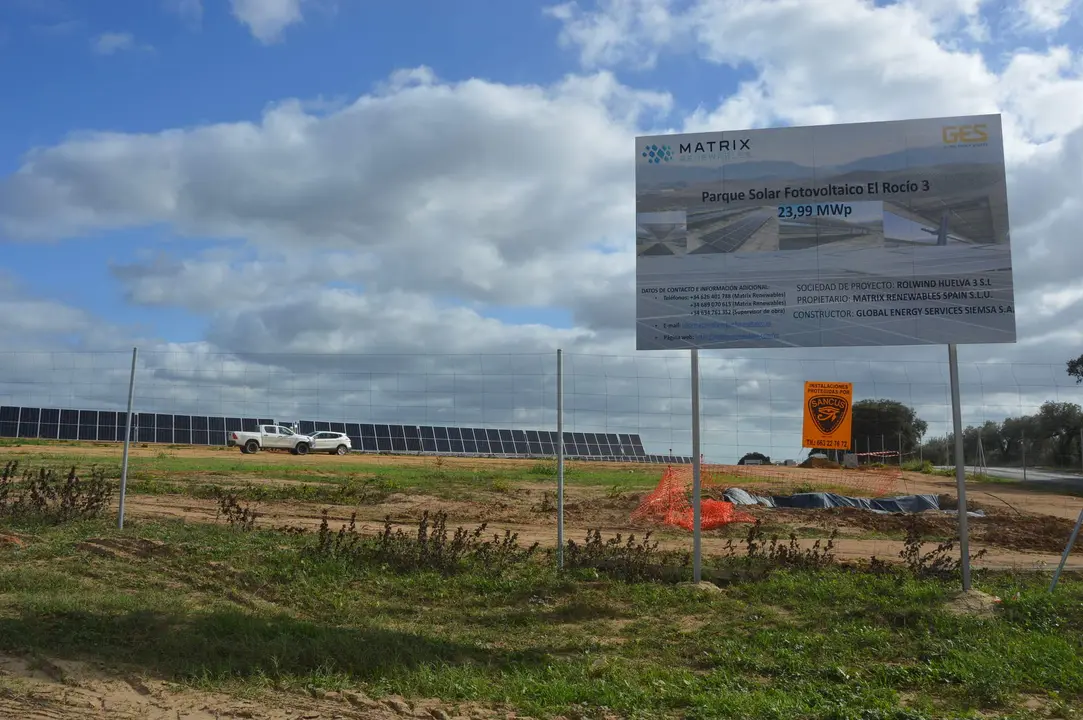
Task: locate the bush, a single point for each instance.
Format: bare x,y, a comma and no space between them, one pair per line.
238,516
937,563
765,459
631,561
430,548
626,560
762,555
43,496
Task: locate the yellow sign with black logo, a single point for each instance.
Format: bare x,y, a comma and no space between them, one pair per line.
828,420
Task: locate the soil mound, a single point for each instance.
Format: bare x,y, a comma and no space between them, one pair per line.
820,464
973,602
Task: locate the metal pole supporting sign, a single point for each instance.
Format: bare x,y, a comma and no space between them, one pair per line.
560,458
1067,551
697,531
127,441
960,467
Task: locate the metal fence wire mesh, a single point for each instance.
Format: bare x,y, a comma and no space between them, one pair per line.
614,405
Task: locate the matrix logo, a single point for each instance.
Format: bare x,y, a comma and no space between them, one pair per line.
704,150
713,146
658,153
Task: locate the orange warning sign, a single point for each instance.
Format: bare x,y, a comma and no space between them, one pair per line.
828,420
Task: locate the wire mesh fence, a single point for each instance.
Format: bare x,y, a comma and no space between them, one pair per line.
748,404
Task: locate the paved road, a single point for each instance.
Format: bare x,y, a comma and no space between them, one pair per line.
1035,476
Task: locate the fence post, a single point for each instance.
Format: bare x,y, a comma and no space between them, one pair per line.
697,517
560,458
1023,448
960,464
127,441
1067,550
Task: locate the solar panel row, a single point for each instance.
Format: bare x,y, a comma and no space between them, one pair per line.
107,425
479,441
665,459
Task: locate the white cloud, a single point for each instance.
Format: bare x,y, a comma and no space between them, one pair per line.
1045,15
113,42
188,10
398,224
477,191
627,31
266,19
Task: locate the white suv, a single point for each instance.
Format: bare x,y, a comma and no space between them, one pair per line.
335,443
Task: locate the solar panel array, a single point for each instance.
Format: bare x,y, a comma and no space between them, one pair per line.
108,426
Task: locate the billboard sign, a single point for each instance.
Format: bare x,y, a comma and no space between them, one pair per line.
828,415
865,234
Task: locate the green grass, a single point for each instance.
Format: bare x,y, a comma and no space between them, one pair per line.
431,475
170,473
1045,486
249,611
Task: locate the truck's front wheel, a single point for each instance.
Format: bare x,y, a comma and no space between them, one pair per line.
251,447
302,448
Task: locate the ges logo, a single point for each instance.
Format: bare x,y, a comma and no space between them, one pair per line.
965,134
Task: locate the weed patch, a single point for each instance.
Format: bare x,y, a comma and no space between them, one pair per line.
937,563
43,496
237,516
431,547
757,555
627,560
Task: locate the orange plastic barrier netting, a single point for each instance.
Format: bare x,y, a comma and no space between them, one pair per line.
669,504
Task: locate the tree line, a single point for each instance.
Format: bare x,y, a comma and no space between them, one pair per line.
883,425
1052,436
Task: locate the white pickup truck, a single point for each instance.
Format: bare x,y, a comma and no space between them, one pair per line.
270,437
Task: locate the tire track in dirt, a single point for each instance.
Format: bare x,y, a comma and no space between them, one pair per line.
42,689
370,521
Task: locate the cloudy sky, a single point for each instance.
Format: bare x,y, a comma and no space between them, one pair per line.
400,210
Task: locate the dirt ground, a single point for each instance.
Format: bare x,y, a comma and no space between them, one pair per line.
65,690
1022,529
403,509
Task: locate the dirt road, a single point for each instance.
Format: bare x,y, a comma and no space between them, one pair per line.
370,521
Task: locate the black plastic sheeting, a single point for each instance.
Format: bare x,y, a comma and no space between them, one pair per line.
821,500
